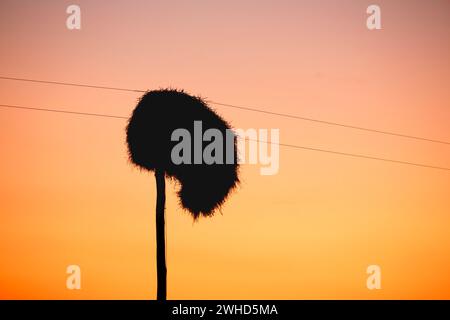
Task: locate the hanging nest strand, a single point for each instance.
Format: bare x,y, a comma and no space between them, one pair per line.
204,187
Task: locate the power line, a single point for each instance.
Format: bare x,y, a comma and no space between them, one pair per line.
63,111
72,84
246,108
354,155
365,157
330,123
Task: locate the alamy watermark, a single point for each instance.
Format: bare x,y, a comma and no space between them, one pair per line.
373,22
374,279
73,21
73,281
252,147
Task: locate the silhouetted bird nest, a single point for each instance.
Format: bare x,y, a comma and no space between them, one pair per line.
204,187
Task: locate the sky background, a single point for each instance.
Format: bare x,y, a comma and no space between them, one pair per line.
68,194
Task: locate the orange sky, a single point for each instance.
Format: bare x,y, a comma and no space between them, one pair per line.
69,196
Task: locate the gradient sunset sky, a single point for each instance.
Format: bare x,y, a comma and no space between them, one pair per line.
68,194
